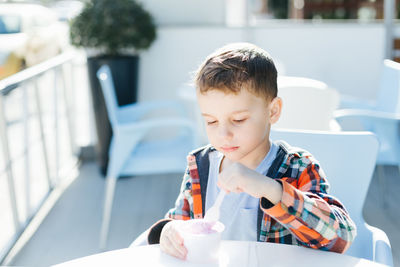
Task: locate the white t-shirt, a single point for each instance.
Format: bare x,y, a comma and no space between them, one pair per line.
238,211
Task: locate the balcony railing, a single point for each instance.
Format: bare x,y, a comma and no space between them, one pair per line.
37,141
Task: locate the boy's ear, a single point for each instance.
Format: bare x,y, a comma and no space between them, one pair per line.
275,109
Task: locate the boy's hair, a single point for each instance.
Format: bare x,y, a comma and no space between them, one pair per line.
236,65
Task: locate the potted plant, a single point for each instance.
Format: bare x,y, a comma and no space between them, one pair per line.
113,32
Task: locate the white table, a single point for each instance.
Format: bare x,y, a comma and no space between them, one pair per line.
233,253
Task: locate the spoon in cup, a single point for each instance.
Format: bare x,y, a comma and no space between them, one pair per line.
212,215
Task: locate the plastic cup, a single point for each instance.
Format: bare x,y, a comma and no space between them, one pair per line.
202,240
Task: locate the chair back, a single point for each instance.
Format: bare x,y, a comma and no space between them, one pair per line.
386,126
389,88
107,87
348,160
307,108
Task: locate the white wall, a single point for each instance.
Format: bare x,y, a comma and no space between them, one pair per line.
346,56
187,12
177,52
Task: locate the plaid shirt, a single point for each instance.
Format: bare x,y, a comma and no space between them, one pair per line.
306,215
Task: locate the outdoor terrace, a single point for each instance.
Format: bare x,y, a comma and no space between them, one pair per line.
68,224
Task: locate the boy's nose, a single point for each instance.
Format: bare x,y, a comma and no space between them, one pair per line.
225,132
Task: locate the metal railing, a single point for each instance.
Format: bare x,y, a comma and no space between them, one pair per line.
36,121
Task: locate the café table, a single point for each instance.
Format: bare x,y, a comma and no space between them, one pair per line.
232,253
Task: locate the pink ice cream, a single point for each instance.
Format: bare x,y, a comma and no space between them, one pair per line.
199,227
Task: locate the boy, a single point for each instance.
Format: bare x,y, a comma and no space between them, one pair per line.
276,193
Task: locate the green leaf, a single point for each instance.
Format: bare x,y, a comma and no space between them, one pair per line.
113,25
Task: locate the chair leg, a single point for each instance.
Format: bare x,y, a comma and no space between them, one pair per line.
108,201
382,185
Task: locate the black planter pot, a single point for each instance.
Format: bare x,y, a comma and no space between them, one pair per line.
124,70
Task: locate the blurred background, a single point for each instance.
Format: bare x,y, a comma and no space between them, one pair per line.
54,126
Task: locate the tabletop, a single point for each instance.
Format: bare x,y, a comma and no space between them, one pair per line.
233,253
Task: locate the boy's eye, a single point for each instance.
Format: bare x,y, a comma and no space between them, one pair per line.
211,122
239,121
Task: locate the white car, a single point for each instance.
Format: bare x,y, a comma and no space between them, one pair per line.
29,34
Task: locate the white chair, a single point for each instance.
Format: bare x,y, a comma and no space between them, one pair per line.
308,108
131,153
294,81
381,117
386,126
388,94
348,159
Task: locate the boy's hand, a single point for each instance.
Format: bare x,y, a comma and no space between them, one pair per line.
171,242
238,178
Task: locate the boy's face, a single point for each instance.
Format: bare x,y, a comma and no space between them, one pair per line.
239,125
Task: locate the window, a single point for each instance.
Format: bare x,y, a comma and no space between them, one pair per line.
320,9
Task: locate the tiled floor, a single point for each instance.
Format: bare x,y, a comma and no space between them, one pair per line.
71,228
386,218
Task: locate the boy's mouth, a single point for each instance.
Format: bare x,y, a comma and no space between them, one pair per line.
229,148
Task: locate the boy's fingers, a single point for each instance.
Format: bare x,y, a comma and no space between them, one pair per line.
177,241
168,247
176,235
180,250
179,247
171,242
